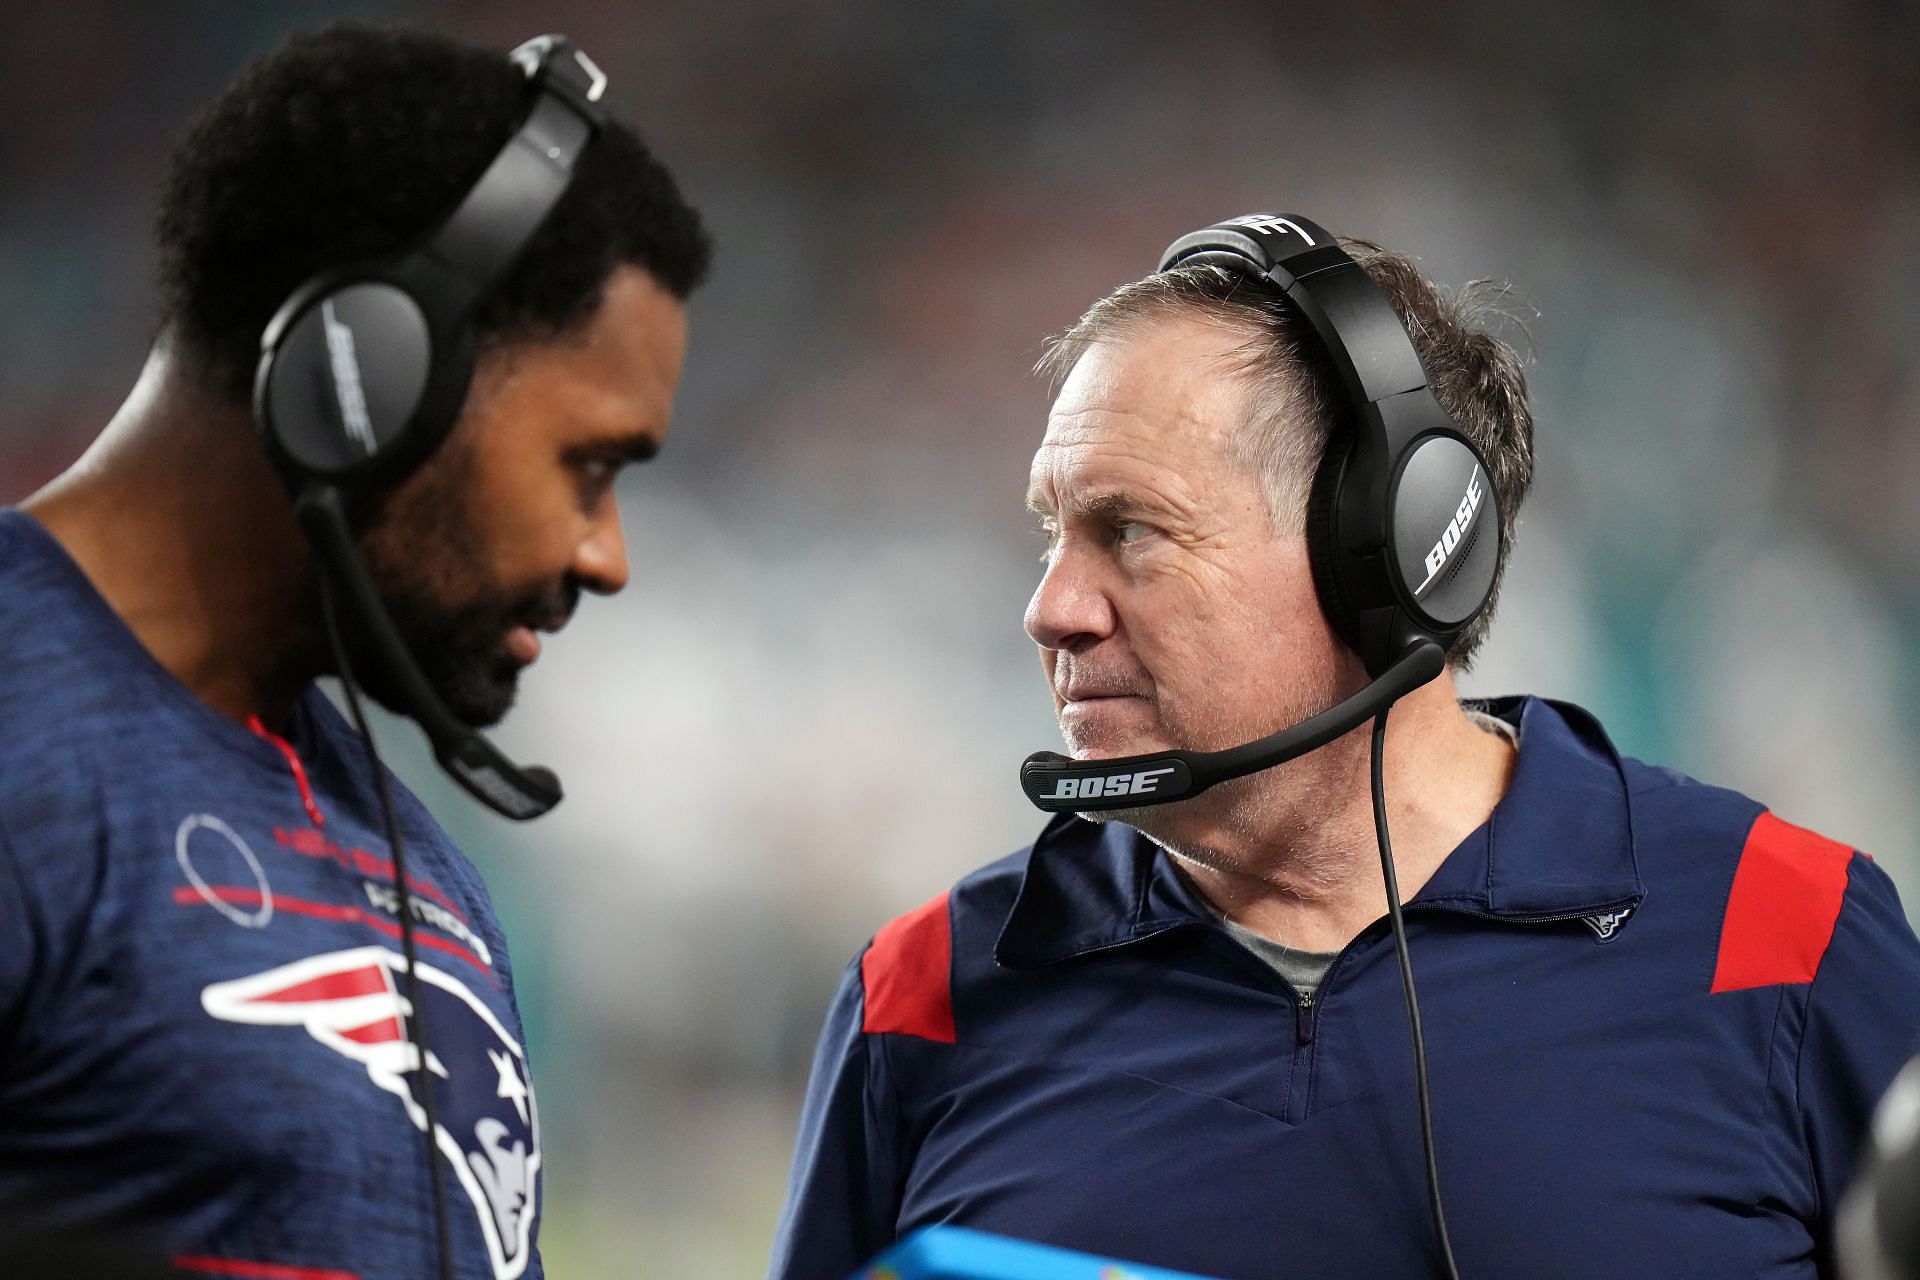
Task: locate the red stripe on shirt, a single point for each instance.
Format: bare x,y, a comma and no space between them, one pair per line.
1786,897
242,897
313,843
293,762
907,974
258,1270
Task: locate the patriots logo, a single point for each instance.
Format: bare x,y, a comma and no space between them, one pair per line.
353,1002
1607,923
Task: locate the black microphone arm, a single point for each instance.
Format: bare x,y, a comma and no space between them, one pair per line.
1060,784
512,790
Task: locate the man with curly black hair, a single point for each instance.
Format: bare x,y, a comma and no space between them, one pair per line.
204,1018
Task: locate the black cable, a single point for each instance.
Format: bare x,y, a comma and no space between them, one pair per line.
1406,985
413,1027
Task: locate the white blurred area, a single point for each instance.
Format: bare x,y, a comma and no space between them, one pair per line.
806,713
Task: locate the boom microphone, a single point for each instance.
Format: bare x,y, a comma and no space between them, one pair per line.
1061,784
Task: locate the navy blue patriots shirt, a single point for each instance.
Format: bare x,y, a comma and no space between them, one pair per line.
1657,1018
201,983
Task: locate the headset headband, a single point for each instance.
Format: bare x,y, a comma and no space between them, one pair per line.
1368,347
483,236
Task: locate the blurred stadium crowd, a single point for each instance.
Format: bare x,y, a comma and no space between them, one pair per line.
805,714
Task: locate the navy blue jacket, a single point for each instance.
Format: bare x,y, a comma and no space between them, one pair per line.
1657,1018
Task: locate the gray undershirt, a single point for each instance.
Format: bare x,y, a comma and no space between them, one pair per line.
1492,724
1304,970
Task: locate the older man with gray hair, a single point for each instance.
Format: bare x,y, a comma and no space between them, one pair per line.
1278,487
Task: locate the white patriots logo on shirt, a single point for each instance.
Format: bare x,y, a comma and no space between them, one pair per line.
488,1128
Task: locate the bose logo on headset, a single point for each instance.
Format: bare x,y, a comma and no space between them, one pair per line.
345,363
1455,530
1145,782
1276,224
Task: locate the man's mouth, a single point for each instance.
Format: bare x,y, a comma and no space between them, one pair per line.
523,638
1092,702
1088,715
523,643
1086,700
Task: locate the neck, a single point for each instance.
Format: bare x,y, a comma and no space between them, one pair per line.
178,520
1293,854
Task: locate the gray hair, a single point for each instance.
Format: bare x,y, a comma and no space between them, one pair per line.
1292,402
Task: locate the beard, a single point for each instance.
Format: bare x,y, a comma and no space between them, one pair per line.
459,648
426,557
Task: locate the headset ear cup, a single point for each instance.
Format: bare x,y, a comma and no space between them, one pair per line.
344,377
1323,544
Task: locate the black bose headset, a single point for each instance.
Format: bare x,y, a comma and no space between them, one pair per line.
364,369
1404,536
363,372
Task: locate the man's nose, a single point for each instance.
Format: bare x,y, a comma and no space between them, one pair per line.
600,558
1069,609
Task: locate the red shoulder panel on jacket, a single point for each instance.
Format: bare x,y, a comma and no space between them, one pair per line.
1786,897
908,975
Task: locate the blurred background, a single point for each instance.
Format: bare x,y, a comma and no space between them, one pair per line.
1709,211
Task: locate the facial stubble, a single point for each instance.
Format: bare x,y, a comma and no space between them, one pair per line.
426,554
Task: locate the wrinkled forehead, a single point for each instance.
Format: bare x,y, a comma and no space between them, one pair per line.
1169,394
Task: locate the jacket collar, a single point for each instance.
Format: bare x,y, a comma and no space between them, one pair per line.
1558,845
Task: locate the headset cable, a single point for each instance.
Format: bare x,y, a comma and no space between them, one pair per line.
414,1025
1406,985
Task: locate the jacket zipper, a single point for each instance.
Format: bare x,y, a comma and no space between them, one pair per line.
1541,918
1307,1005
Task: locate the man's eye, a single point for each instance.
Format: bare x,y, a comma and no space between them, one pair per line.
1050,538
597,472
1130,531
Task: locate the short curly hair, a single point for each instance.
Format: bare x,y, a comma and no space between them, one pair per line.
1478,378
354,141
